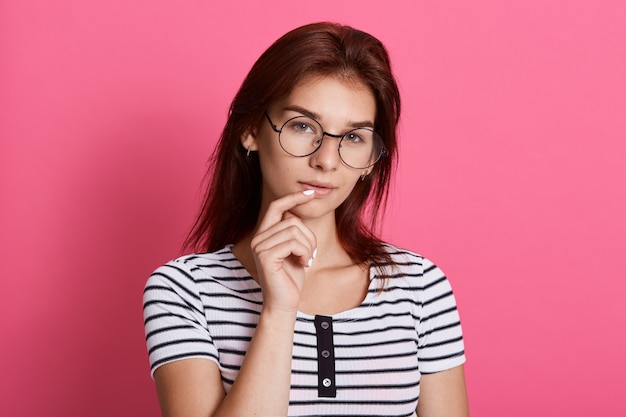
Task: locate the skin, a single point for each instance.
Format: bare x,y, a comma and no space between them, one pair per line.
296,258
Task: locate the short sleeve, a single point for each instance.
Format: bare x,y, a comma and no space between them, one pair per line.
174,319
440,345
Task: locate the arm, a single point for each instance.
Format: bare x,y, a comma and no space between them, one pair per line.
282,248
192,387
189,387
443,394
441,349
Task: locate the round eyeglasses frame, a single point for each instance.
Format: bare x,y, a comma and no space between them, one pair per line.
383,152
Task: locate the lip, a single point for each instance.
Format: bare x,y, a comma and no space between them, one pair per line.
321,188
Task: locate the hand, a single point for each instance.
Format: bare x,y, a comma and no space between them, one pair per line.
282,248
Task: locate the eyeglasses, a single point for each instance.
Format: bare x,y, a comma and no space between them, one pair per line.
302,136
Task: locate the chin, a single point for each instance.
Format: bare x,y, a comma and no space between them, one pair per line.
313,211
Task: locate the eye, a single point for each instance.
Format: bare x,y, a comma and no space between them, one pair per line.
300,126
354,138
303,127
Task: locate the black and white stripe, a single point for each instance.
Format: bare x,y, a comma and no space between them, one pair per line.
208,306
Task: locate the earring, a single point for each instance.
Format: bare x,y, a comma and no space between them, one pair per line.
363,176
248,153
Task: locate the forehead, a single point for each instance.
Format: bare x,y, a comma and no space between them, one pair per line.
331,99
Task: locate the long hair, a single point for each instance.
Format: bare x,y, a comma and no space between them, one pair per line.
233,197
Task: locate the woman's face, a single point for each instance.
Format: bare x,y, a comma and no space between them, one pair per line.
339,105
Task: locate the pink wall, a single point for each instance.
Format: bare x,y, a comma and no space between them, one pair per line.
512,179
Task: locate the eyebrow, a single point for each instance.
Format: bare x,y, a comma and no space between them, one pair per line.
317,116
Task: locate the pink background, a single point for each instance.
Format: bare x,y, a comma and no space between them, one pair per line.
511,178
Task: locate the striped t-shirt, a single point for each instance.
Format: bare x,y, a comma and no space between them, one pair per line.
365,361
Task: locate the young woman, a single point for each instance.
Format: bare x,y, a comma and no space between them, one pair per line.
293,306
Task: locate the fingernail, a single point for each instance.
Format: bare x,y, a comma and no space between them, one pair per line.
308,192
310,262
314,253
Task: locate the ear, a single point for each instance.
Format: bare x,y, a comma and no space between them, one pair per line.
249,142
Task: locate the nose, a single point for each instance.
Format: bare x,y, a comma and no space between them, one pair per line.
327,155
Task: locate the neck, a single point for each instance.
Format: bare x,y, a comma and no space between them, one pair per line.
325,231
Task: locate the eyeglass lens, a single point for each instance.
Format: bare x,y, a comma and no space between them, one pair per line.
359,148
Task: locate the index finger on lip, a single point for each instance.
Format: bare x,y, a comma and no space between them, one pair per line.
278,208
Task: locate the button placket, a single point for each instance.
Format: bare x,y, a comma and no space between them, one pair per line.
325,357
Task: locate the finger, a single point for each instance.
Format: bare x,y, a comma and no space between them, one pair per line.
288,215
291,221
283,250
279,207
287,230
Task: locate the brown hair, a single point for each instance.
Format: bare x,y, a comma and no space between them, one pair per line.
233,197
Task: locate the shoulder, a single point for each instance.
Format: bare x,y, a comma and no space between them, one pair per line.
412,271
198,265
408,261
401,255
185,273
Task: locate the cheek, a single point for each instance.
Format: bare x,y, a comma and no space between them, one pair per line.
271,160
350,184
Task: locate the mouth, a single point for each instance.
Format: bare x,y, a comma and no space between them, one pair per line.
321,188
